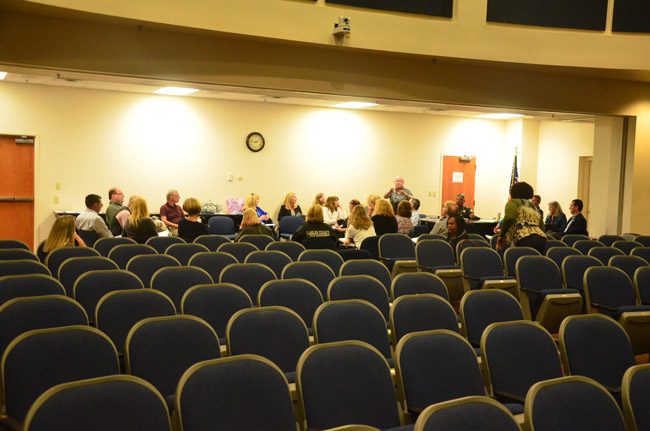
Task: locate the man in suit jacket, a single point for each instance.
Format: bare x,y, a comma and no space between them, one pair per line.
577,224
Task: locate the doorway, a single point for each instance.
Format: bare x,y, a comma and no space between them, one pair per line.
17,188
458,175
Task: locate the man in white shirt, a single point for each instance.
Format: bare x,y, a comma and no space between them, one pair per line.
89,220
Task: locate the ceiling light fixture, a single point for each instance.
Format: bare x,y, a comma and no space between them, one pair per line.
500,116
354,105
176,91
3,75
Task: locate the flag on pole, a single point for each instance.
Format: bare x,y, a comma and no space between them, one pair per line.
514,176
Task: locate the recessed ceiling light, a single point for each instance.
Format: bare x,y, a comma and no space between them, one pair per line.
354,105
176,91
3,75
500,116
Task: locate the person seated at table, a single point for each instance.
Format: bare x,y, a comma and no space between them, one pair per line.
62,234
448,209
319,199
333,214
370,204
252,225
415,215
171,213
359,227
464,211
252,201
290,207
315,228
556,219
456,230
139,225
403,217
384,217
191,226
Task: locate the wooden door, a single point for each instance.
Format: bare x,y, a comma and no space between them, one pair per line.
458,174
17,188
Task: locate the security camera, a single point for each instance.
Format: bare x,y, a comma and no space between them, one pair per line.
343,26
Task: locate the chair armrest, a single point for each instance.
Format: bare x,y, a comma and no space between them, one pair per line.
603,306
534,292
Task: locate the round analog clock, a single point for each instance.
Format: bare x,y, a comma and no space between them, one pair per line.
255,141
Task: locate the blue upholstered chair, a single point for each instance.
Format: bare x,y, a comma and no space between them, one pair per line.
316,272
56,257
248,276
105,245
362,287
18,286
221,225
483,269
23,266
290,224
145,266
422,312
328,257
629,264
212,262
635,392
17,254
13,243
296,294
259,241
609,240
160,243
513,254
276,260
412,283
474,413
184,252
92,286
239,250
290,248
604,253
626,246
75,267
369,267
557,254
574,268
211,241
480,308
122,254
176,280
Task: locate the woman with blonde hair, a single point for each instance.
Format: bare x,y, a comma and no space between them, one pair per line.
333,214
555,220
359,227
251,225
63,234
371,203
315,228
191,226
252,201
319,199
384,217
290,206
139,225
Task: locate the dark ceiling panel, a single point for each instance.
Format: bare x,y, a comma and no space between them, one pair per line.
576,14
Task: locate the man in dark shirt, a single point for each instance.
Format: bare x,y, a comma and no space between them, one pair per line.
577,224
171,213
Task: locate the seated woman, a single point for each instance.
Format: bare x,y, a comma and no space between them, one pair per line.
359,226
62,235
404,223
290,206
252,225
252,201
384,217
139,226
456,230
370,204
319,199
315,228
556,219
191,226
333,214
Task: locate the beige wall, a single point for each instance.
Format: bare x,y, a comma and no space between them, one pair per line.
88,141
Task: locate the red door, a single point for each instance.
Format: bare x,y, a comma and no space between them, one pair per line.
458,173
17,188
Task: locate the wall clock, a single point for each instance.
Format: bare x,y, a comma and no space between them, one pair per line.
255,141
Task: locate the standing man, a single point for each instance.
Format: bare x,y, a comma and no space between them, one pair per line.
577,224
536,200
171,213
398,193
115,205
89,220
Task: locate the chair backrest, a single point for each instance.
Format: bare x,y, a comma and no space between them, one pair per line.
609,287
572,403
211,241
215,303
644,240
595,346
175,281
290,248
537,274
628,264
371,245
239,250
369,267
160,243
184,252
396,246
480,308
42,358
316,272
276,333
516,355
420,229
478,262
635,392
470,243
550,243
121,254
290,224
91,286
319,243
570,239
89,237
248,276
17,254
573,270
436,366
642,283
276,260
24,266
352,319
513,254
213,262
643,252
119,310
229,383
18,286
584,245
428,236
353,253
422,312
557,254
161,349
297,294
411,283
609,240
467,414
221,225
328,257
75,267
626,246
13,243
125,402
259,241
362,287
604,253
145,266
20,315
106,244
346,383
434,253
56,257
